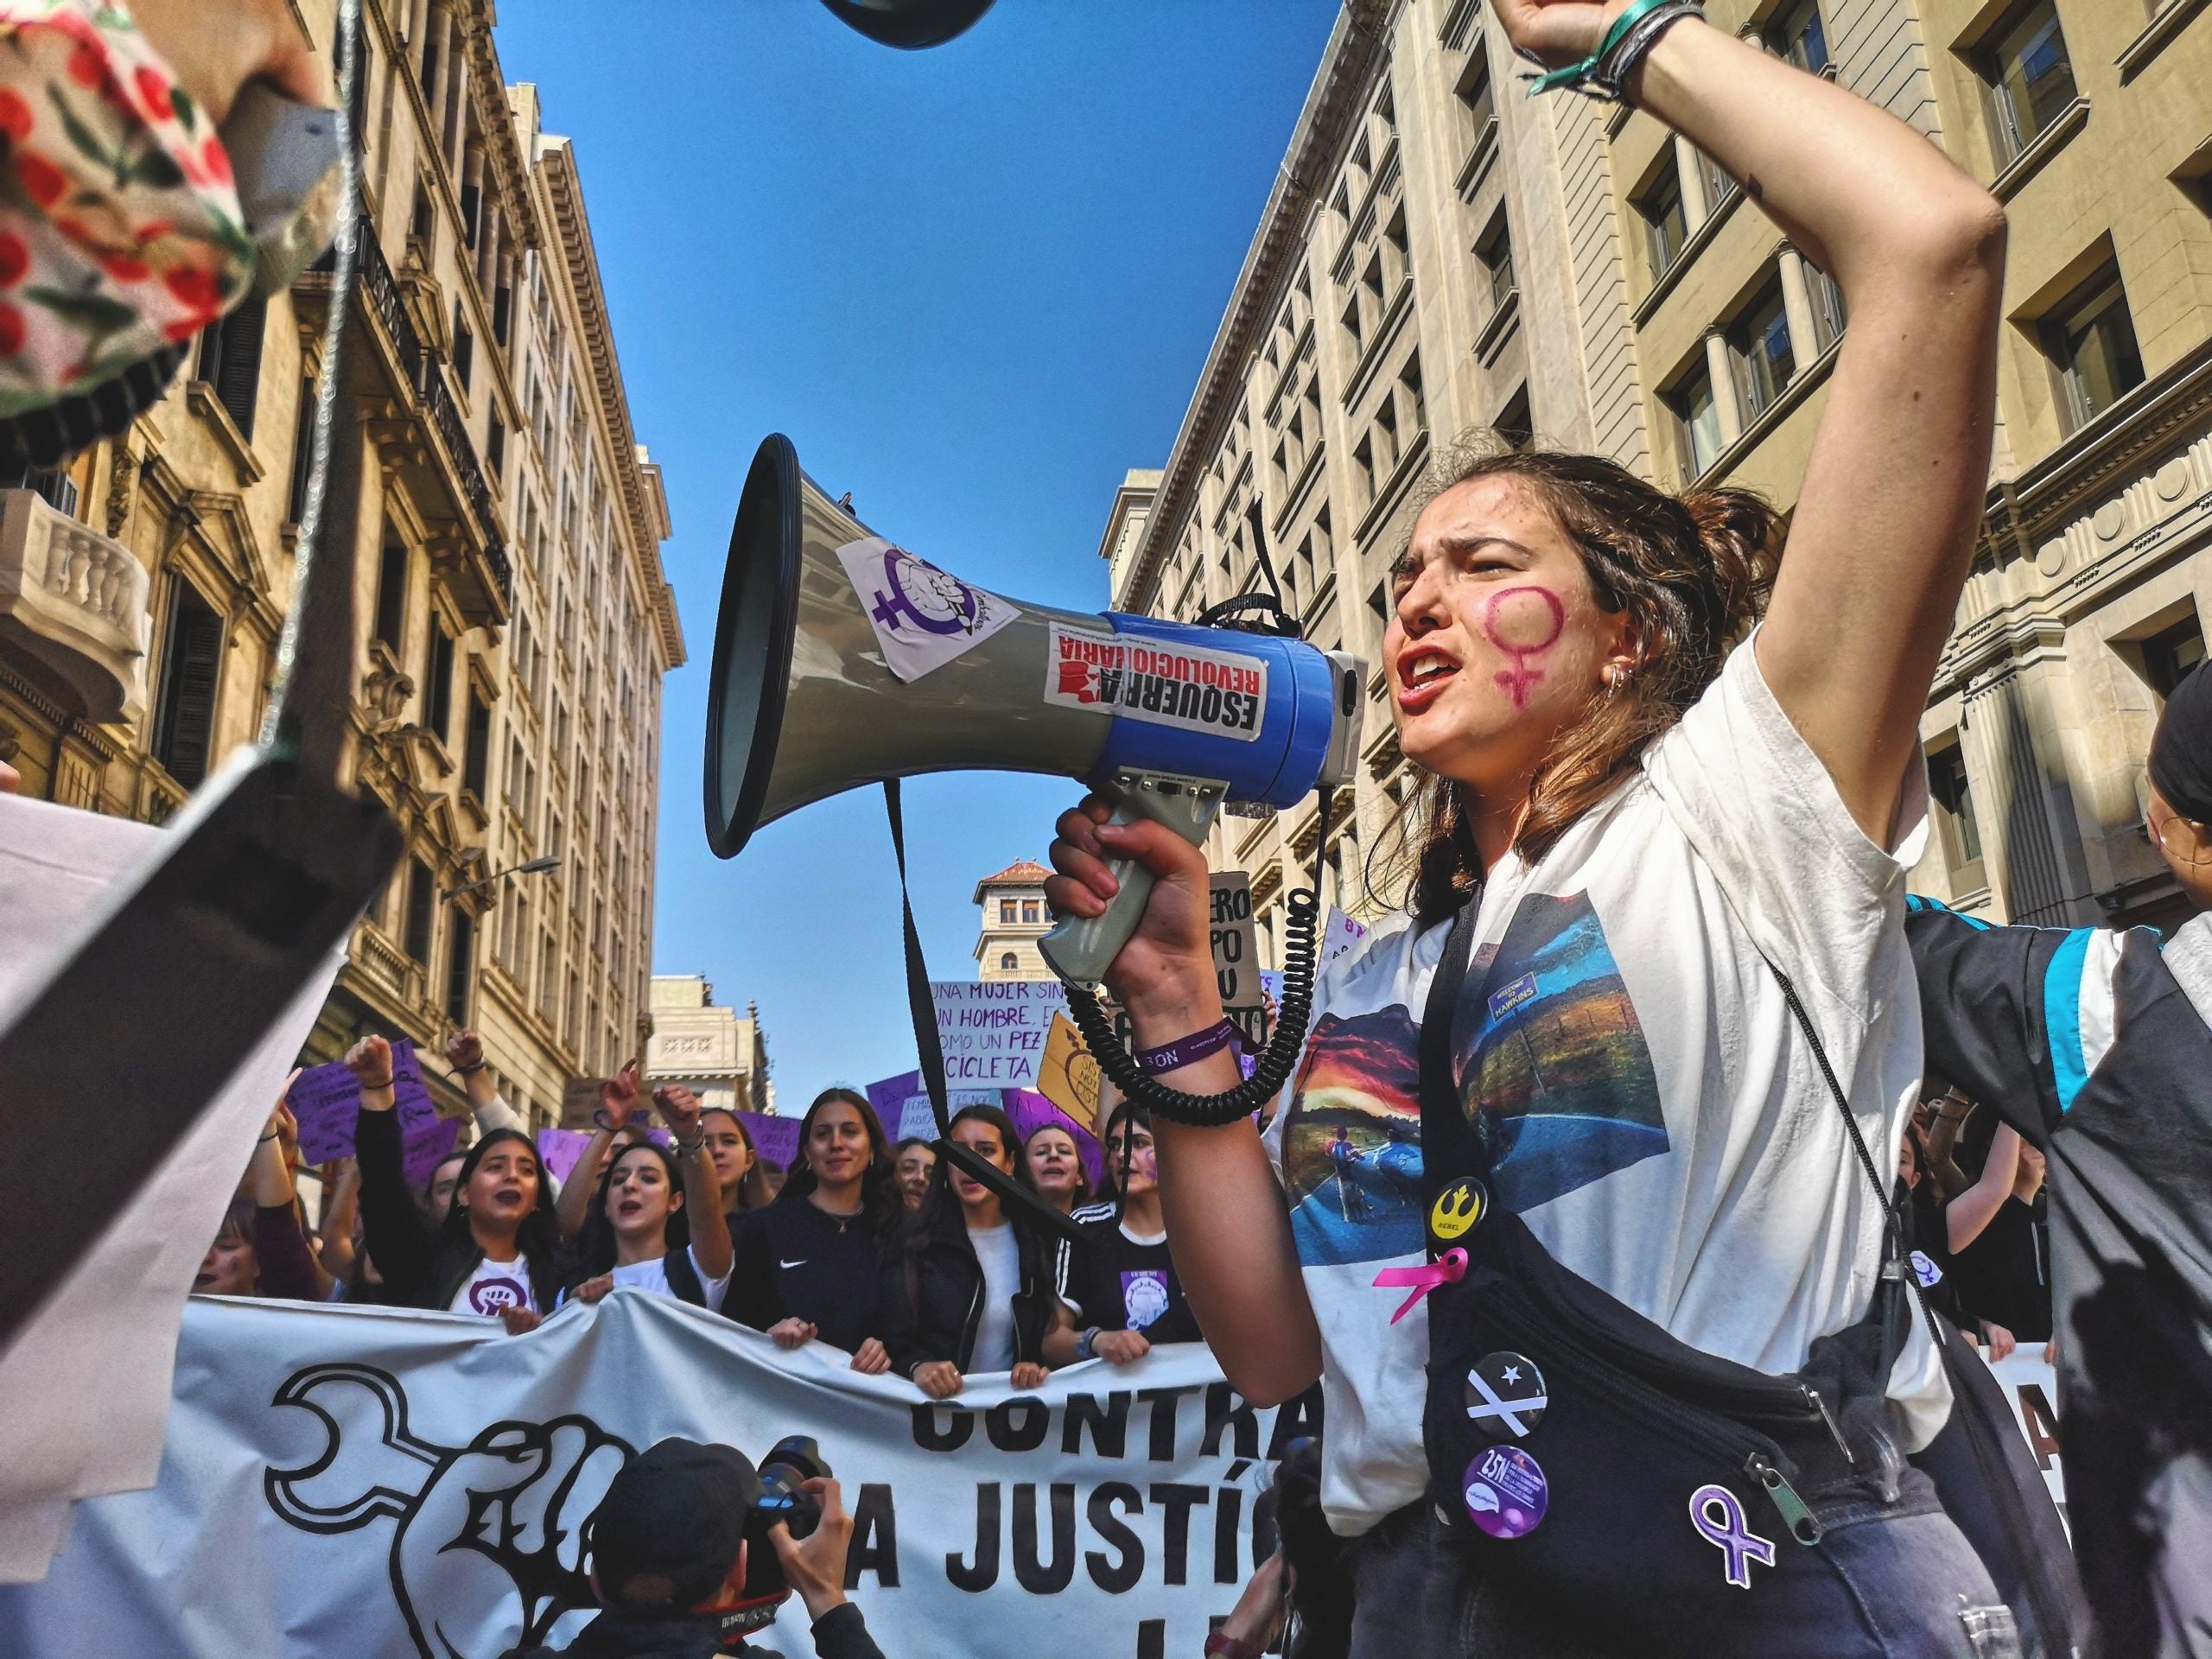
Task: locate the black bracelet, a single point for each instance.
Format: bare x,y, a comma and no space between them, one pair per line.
466,1071
366,1085
266,1138
687,1146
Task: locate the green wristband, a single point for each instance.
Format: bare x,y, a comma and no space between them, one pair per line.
1582,71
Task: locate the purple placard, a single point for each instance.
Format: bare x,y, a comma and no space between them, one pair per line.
889,1097
1031,1111
775,1138
560,1149
326,1100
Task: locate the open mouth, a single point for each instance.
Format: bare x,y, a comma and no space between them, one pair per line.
507,1195
629,1207
1422,675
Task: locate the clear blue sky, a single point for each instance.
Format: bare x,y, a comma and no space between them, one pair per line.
974,285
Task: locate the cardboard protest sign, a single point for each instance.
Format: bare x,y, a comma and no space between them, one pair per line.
1237,953
326,1099
992,1032
1068,1076
579,1100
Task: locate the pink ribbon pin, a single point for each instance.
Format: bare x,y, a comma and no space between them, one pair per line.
1447,1270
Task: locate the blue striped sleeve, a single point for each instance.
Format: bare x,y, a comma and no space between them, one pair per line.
2062,1007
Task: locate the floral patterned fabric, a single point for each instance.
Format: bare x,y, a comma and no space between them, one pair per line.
120,229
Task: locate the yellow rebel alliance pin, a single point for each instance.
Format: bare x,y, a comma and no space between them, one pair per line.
1457,1209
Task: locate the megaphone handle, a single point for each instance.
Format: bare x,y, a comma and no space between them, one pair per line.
1079,949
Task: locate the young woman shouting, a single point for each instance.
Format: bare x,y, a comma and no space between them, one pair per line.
1637,813
642,1232
496,1253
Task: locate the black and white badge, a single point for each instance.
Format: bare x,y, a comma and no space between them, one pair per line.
1505,1395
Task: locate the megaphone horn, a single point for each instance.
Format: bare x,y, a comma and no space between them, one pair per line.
841,659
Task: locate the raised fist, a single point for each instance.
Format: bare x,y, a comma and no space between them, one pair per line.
464,1050
370,1060
618,1096
680,1107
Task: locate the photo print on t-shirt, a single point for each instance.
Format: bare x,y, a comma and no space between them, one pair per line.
1556,1073
1351,1142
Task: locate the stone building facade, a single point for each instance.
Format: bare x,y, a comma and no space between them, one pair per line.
1014,919
719,1054
509,596
1441,253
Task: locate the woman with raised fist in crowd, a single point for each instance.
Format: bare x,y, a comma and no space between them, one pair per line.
656,1223
809,1265
1647,809
261,1249
498,1250
618,1122
969,1285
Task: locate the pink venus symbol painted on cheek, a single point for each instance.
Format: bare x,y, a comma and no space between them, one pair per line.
1524,623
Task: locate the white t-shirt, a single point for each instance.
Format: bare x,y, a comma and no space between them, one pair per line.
1000,1260
652,1275
1651,1110
494,1285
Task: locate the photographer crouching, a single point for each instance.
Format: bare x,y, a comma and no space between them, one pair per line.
692,1550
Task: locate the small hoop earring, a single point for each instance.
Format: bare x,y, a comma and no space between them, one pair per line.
1615,680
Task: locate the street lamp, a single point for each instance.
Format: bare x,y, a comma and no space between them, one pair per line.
535,867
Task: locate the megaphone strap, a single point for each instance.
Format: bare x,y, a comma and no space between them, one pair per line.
930,1050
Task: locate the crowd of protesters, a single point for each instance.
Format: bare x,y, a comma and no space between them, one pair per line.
887,1254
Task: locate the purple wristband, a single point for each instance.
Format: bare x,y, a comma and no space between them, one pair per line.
1187,1051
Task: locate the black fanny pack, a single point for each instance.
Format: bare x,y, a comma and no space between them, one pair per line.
1645,1487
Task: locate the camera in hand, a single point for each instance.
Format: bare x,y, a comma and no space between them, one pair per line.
792,1460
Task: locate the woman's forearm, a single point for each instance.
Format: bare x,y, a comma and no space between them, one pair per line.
1229,1236
573,1202
1854,187
702,1202
1966,1216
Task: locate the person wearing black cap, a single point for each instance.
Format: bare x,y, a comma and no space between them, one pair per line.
2096,1044
667,1551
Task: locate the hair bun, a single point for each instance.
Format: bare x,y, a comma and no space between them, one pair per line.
1742,538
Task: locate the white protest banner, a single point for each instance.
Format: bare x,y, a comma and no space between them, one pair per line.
2031,1389
390,1484
994,1033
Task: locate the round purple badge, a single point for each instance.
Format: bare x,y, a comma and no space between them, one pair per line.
1505,1491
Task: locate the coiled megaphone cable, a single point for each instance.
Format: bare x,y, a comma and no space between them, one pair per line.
1302,938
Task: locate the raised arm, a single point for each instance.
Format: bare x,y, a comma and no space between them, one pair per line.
398,1237
1885,519
617,1099
1966,1216
465,1054
702,1186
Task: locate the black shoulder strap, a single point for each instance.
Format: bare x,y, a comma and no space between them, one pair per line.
1448,1140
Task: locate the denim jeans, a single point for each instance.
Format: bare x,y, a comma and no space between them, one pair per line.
1894,1581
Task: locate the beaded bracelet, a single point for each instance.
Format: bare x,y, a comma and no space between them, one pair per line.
1604,73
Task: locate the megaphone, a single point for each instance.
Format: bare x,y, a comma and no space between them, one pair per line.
843,659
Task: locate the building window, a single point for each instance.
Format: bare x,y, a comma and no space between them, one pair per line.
1006,910
52,485
437,683
230,361
1029,910
1514,423
2093,343
461,965
464,348
1697,419
2168,657
1720,184
392,596
1666,220
1496,251
476,753
1416,403
1828,315
192,664
1007,963
1363,466
2030,78
1760,347
423,220
495,447
1474,91
1798,34
1956,823
422,911
302,451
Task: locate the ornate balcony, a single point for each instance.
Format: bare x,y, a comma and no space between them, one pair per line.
76,601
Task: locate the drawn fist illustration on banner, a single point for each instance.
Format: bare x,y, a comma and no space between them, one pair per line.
486,1551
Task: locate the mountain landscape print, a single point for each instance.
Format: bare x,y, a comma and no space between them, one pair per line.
1552,1059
